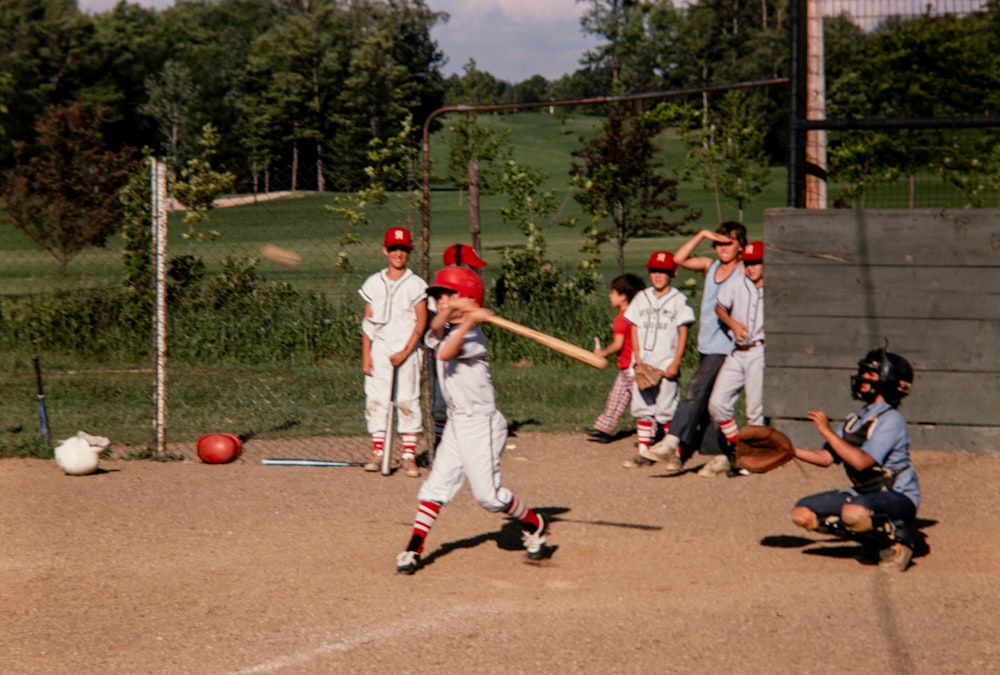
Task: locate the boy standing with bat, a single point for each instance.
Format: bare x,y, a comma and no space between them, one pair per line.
395,318
476,432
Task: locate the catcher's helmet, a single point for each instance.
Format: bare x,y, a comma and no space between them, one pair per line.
459,280
895,377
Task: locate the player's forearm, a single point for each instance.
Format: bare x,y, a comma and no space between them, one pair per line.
687,248
853,455
818,457
616,346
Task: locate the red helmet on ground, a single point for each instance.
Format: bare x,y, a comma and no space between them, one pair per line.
219,448
459,280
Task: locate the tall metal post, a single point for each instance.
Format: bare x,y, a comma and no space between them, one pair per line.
158,178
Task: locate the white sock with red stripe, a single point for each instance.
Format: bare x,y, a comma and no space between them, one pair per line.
730,430
409,446
378,443
427,513
644,430
520,510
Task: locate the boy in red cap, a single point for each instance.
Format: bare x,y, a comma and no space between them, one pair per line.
660,316
394,322
740,306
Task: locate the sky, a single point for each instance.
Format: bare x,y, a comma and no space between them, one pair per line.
510,39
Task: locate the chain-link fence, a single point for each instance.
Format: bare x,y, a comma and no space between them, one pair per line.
891,104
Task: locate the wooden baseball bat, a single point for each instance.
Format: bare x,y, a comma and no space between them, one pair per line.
561,346
385,467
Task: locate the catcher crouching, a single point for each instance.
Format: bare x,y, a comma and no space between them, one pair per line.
879,507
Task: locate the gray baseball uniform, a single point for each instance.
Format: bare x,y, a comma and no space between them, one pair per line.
475,434
744,367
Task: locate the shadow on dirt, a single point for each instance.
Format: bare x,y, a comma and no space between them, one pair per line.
837,547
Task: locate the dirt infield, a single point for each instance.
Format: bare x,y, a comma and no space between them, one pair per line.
182,567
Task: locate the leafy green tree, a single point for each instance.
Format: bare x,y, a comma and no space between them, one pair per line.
727,153
618,177
125,49
137,249
199,184
913,68
390,165
63,190
295,70
45,44
476,137
527,275
172,103
213,42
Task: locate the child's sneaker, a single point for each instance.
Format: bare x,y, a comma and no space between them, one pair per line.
717,466
375,463
534,542
896,558
407,562
410,466
666,452
637,462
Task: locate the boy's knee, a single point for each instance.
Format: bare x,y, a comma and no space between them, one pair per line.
805,518
856,518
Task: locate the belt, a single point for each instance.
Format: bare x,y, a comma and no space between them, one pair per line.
743,348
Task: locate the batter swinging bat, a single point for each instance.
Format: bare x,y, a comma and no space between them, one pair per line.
561,346
387,448
43,413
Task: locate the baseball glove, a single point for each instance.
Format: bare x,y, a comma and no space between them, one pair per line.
646,376
761,449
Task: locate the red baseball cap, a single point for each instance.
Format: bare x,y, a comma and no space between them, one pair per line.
398,236
661,260
461,254
753,252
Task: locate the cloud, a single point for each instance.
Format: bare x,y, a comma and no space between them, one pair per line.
513,39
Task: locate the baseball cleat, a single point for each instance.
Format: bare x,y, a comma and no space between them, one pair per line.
407,562
534,542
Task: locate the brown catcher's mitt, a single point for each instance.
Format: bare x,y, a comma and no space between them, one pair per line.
761,449
646,376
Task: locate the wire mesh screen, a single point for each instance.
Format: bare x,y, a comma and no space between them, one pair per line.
908,87
265,319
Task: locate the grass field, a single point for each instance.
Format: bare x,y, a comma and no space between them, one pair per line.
111,395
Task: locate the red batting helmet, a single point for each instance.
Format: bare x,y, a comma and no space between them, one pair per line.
459,280
461,254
